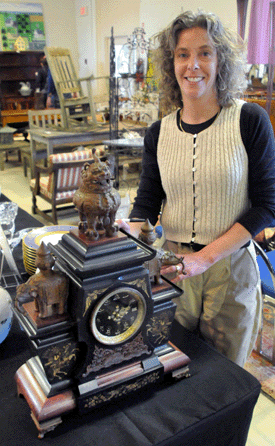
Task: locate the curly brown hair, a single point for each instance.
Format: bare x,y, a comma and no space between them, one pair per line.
231,79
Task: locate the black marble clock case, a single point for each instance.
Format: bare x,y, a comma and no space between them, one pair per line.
66,353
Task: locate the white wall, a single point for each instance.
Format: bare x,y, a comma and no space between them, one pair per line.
123,16
157,14
86,37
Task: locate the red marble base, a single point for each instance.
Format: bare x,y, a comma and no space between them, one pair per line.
46,411
37,322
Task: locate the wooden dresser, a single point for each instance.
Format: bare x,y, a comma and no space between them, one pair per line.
17,67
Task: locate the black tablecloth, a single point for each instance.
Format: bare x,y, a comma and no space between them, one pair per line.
213,407
23,219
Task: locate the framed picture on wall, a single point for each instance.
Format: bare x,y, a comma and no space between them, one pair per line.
22,27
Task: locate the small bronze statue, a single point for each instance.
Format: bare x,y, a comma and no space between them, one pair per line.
48,288
148,236
96,200
147,233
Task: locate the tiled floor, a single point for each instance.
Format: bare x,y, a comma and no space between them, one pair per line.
16,187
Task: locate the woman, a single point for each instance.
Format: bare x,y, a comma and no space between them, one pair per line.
208,169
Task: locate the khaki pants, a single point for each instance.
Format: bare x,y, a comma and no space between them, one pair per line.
224,303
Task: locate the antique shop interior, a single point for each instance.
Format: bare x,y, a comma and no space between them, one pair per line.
105,96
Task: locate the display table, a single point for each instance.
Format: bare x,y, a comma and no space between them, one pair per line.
213,407
15,145
50,138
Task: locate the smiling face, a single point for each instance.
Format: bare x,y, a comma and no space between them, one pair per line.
196,65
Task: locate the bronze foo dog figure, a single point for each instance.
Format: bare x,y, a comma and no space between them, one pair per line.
96,200
48,288
148,236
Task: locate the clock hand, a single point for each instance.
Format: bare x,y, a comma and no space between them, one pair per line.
118,314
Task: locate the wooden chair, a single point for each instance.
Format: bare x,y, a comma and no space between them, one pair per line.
74,104
57,183
45,119
40,119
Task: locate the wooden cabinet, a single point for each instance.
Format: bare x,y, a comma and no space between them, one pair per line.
17,67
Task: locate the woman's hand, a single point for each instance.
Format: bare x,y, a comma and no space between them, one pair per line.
198,262
194,264
122,224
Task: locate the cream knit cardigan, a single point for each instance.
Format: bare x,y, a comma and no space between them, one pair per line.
205,177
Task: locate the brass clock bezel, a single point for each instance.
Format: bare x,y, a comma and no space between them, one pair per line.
132,330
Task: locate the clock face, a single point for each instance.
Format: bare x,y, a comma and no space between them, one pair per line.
118,316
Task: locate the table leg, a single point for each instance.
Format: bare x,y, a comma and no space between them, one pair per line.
33,156
2,160
49,148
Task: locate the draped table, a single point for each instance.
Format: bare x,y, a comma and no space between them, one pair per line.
212,407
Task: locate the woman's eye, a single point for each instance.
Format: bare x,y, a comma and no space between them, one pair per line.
206,53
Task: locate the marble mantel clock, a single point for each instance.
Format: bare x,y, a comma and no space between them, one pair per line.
113,338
